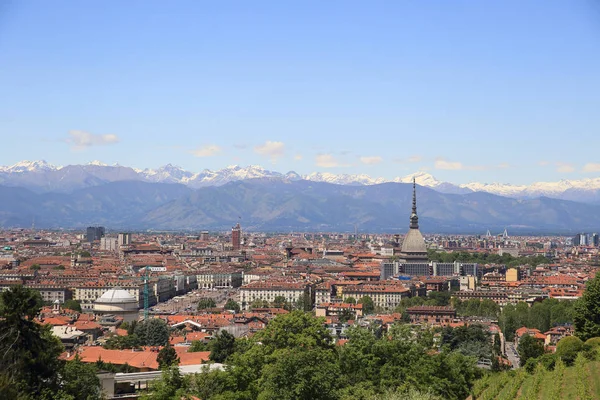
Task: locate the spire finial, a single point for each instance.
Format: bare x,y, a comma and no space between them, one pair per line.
414,219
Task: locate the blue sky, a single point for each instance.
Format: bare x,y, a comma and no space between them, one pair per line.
486,91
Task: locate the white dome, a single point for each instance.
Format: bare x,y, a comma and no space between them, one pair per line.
116,296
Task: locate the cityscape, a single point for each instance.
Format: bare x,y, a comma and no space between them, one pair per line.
96,284
339,200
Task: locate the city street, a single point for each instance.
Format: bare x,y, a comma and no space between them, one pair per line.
512,355
189,301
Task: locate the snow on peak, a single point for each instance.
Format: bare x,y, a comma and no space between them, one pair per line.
97,163
29,166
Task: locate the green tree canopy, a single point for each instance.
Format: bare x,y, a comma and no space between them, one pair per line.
167,357
296,329
567,349
222,346
80,380
73,305
30,367
528,348
279,302
152,332
296,373
368,305
587,311
232,305
205,303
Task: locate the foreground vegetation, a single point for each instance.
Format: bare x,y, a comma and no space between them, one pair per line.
577,382
294,358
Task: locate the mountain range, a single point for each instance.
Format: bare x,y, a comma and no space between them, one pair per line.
42,177
272,204
171,198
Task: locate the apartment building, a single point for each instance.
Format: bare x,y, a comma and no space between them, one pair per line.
262,290
384,296
219,278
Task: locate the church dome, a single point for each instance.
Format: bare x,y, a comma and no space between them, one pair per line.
413,242
116,296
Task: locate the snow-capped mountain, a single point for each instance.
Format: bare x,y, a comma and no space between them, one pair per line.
29,166
343,179
41,176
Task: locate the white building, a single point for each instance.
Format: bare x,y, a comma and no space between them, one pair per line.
117,302
268,291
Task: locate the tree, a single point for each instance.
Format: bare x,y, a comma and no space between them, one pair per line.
171,386
304,303
222,346
210,383
528,348
232,305
80,380
567,349
167,357
205,303
29,350
279,302
586,316
72,305
350,300
259,303
152,332
35,267
117,342
368,305
198,345
296,329
345,315
300,374
85,254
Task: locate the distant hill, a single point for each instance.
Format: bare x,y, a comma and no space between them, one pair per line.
273,204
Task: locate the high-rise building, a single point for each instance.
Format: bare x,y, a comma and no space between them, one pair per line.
581,239
124,239
204,236
94,233
595,240
108,243
236,237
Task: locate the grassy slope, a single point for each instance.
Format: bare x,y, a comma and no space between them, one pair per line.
570,384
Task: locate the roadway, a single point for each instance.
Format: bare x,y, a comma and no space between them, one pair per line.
188,302
512,355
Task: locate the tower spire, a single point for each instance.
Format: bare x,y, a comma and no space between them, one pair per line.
414,219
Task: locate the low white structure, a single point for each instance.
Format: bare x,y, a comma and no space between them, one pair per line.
118,302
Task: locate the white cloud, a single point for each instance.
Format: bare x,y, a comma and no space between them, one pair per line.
273,150
591,167
371,160
440,163
409,160
564,167
328,161
298,157
206,151
80,139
